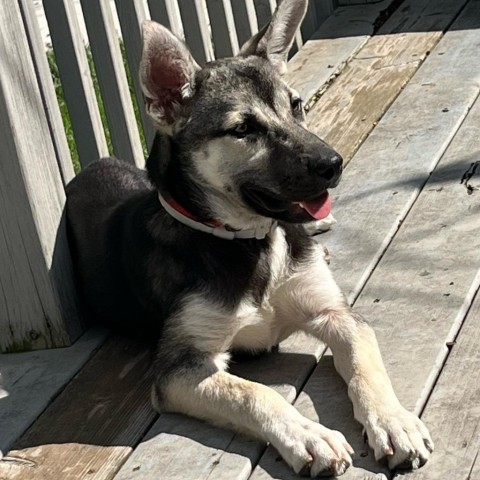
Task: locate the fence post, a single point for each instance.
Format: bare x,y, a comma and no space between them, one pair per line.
38,306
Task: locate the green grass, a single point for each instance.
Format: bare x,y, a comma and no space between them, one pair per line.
67,123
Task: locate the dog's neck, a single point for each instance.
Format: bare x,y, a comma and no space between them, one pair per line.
183,200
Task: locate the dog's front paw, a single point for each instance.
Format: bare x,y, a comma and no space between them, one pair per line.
314,450
399,437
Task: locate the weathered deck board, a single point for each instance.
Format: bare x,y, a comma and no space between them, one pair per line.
372,201
335,42
418,295
218,453
324,398
351,107
29,381
453,409
93,425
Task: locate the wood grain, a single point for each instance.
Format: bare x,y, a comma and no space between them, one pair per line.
52,110
216,453
324,56
30,380
452,411
353,105
38,307
93,425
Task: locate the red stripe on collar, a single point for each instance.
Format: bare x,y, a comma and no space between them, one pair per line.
183,211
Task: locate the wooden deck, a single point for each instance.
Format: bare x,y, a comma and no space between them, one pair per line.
396,91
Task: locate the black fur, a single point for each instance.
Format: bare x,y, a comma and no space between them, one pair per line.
135,262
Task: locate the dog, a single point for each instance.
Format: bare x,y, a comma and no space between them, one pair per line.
206,251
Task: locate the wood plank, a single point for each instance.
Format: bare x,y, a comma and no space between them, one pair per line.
49,97
406,145
225,42
337,414
167,13
324,56
452,412
38,307
159,13
264,10
245,20
76,80
93,425
29,381
352,106
112,79
418,295
198,36
214,452
131,15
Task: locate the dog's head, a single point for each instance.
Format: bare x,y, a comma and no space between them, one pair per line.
240,148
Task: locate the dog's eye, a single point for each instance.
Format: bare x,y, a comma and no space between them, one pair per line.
243,129
297,106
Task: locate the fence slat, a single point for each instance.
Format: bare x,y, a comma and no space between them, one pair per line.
112,79
195,25
264,9
245,20
223,28
38,306
167,13
77,83
131,14
47,90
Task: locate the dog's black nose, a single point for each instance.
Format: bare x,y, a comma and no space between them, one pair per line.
326,164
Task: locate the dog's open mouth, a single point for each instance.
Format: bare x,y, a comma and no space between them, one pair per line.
268,204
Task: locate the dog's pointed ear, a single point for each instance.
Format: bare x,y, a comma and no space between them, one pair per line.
167,72
275,39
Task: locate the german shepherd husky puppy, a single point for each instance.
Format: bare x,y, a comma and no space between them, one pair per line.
206,252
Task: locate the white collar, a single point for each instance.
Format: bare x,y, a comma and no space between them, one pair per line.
215,228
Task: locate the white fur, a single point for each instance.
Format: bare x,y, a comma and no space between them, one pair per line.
299,297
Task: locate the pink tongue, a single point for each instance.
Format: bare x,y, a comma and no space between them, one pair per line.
319,207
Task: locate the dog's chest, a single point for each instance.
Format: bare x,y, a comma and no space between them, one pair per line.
258,327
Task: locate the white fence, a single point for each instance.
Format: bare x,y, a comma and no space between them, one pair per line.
38,305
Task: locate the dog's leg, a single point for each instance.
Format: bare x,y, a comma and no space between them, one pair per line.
190,378
313,299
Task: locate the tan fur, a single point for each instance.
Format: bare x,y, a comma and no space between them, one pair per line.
305,298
